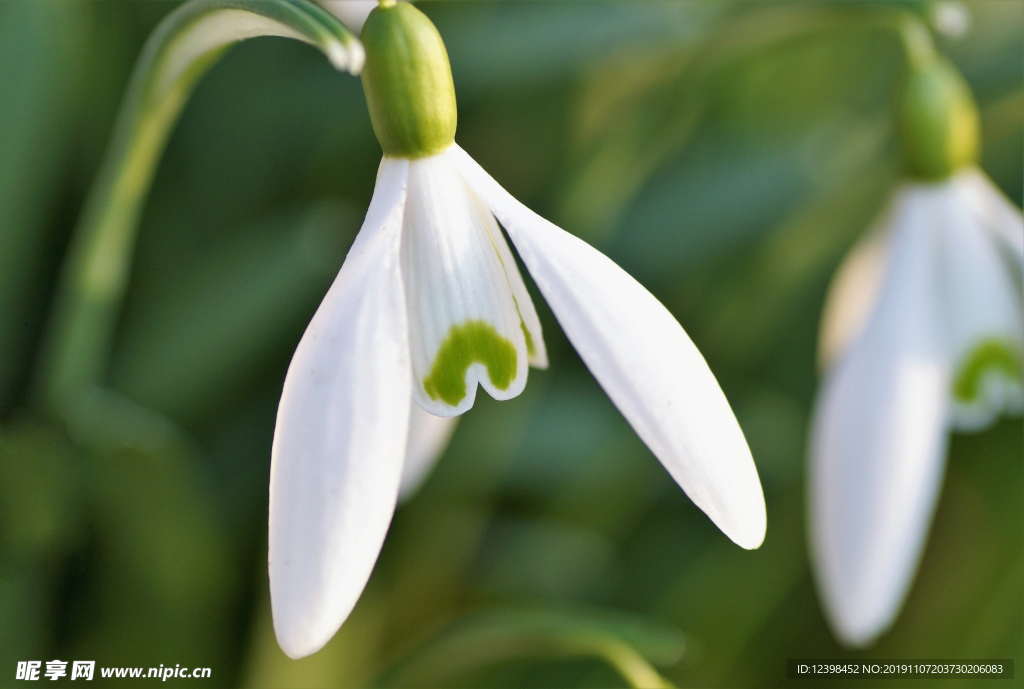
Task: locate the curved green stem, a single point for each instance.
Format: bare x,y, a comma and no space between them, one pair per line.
182,48
690,73
500,636
620,656
632,666
915,38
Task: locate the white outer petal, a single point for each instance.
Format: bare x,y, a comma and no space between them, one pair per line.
853,293
644,361
878,444
428,438
339,442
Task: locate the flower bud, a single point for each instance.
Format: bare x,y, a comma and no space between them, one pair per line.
408,82
939,121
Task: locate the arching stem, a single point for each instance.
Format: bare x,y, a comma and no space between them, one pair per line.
180,51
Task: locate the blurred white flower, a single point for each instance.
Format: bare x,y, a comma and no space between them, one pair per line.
951,18
922,333
430,304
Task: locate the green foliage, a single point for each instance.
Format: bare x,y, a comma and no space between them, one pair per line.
726,153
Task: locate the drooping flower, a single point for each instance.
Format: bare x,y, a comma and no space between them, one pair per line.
429,305
428,435
922,334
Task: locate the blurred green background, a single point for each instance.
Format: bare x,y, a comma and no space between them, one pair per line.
725,153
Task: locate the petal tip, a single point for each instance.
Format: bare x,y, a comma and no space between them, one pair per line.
751,540
749,533
857,625
300,635
858,602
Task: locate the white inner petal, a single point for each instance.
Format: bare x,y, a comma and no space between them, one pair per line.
538,354
464,324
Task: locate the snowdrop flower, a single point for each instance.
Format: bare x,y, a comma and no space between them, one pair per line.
428,306
922,334
428,435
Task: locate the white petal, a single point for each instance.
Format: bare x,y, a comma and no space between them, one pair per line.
851,296
464,325
878,444
644,361
538,353
428,437
996,213
854,290
352,13
983,307
339,443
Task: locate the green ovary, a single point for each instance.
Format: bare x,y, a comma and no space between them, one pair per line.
989,355
473,342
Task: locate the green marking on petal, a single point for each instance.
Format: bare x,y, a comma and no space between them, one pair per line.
995,354
473,342
531,348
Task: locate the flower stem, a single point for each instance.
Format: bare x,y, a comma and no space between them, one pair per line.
633,667
499,636
182,48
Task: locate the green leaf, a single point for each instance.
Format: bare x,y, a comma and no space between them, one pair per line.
40,38
41,498
160,549
190,343
41,522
